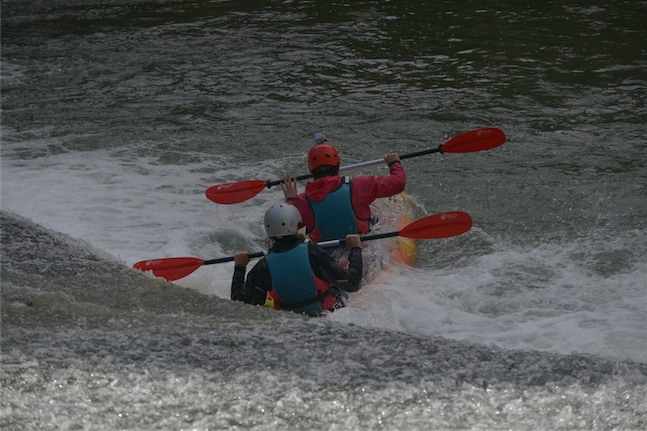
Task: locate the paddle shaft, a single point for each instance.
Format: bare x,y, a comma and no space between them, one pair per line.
441,225
324,244
468,142
342,242
362,165
231,258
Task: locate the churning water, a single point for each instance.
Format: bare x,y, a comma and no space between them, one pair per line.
116,116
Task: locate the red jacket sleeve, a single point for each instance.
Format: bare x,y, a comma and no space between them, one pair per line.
368,188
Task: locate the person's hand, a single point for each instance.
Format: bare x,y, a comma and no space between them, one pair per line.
241,258
353,240
289,186
391,157
301,234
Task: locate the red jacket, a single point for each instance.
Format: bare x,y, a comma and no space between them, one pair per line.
364,190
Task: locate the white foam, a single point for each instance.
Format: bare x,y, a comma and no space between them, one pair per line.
135,209
539,298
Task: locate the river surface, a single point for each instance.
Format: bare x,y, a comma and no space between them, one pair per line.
118,115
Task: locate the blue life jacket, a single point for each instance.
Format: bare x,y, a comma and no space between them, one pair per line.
334,215
293,280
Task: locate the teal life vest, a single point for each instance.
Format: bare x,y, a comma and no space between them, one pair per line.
334,215
294,282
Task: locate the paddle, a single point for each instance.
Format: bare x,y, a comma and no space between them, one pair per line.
437,226
468,142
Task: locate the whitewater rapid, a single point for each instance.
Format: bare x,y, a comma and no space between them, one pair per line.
90,343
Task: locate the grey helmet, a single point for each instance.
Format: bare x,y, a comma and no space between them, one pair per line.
282,220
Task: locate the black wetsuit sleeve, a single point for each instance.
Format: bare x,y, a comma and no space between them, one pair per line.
327,268
253,290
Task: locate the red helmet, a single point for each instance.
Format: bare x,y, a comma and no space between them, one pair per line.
322,155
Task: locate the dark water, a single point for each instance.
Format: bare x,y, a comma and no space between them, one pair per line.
116,116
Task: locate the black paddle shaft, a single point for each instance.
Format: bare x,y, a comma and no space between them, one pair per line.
231,258
324,244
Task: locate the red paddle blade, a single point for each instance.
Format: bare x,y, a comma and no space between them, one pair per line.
170,268
442,225
233,193
475,140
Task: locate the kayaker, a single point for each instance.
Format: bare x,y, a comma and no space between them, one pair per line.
296,275
334,206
